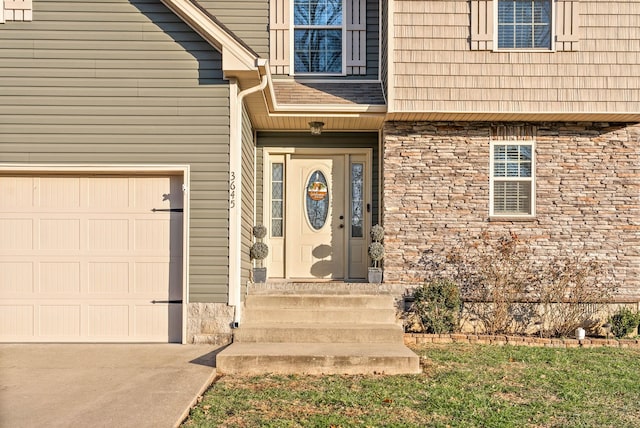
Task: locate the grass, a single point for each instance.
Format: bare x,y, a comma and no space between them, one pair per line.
461,386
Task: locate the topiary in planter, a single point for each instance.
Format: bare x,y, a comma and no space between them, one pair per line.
259,251
377,233
376,252
259,231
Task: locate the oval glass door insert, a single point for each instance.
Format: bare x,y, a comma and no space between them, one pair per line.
317,200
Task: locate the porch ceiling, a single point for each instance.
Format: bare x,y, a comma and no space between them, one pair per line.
289,105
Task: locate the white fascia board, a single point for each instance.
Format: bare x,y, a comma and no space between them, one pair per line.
242,59
329,108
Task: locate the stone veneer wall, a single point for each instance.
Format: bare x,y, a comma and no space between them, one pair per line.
436,190
209,323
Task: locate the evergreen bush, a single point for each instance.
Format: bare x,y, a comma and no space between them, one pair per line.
437,306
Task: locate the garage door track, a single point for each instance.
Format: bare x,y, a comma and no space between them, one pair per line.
68,385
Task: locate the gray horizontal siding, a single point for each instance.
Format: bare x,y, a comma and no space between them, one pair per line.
247,19
247,195
123,82
373,39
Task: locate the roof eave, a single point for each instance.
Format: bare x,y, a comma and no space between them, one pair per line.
236,56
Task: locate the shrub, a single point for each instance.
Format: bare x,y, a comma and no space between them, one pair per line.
624,322
508,288
437,306
376,252
570,290
259,231
259,251
377,233
376,249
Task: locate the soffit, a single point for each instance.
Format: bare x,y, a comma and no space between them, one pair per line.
507,116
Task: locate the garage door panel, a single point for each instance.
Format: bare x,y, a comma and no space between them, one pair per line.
16,277
59,278
108,194
16,321
108,278
176,235
155,192
59,234
152,279
16,233
85,261
17,193
58,193
151,320
107,320
108,234
62,320
152,235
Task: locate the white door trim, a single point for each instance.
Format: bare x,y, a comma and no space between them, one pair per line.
129,169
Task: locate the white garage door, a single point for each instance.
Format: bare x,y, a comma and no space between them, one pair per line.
90,258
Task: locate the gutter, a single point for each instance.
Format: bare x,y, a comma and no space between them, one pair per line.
235,189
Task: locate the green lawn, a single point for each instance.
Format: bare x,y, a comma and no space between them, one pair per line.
461,386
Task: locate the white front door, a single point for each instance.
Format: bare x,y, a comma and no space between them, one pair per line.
319,215
315,217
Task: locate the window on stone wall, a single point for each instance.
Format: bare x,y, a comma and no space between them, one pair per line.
512,187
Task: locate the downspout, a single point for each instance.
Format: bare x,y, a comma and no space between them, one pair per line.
235,207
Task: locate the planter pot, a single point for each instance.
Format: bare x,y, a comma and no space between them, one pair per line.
375,275
260,274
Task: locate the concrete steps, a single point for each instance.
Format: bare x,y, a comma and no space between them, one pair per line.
317,359
318,328
319,333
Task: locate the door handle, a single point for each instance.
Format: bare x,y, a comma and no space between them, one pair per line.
368,208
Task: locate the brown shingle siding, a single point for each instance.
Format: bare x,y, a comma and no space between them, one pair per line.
432,41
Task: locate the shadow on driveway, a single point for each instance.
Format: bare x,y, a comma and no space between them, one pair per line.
100,385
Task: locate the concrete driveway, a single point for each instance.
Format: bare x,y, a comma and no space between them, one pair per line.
69,385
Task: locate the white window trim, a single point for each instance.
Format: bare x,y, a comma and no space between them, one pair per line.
531,179
292,46
552,28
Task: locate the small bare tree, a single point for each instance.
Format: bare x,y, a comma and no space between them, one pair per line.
509,290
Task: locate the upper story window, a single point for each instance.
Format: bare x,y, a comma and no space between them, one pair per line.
318,36
524,24
512,191
551,25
